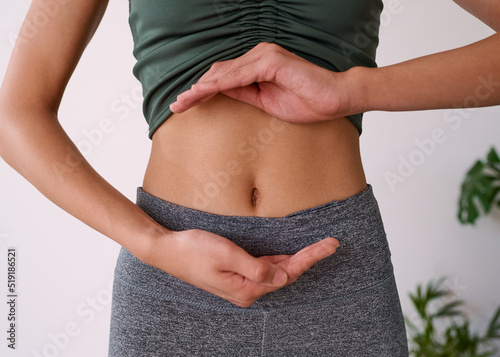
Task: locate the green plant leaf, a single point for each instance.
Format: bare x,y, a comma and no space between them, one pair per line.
411,325
480,189
493,157
449,309
493,330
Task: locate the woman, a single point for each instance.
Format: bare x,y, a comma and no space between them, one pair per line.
273,188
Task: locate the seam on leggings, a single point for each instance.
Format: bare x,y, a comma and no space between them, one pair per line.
249,309
264,334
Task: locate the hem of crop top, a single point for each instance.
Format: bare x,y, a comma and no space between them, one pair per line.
355,119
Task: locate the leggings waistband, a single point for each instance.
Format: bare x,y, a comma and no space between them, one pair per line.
362,260
268,235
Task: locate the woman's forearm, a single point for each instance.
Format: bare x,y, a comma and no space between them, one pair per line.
465,77
34,144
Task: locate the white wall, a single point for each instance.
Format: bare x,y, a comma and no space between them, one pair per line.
426,238
65,268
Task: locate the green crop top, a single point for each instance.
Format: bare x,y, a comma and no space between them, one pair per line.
176,41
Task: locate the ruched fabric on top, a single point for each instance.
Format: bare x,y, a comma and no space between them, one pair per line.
176,41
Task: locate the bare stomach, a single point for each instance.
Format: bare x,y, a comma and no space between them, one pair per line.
229,158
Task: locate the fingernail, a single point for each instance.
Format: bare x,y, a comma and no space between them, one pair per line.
280,278
334,242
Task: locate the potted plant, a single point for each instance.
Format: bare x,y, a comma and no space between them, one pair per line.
440,329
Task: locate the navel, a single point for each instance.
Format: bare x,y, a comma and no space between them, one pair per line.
255,196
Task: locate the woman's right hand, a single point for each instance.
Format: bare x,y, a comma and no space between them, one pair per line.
217,265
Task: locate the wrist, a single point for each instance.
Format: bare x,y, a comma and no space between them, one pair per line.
147,246
359,84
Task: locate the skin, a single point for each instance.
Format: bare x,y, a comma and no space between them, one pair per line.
33,142
265,167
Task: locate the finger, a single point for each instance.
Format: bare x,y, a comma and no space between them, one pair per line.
220,68
250,94
215,69
181,105
193,96
241,76
307,257
257,270
275,259
242,291
238,77
200,93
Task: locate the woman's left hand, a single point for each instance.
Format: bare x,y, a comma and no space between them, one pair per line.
277,81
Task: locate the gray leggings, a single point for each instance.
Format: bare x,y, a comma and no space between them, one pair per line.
346,305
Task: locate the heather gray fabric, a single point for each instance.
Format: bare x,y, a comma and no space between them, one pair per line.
346,305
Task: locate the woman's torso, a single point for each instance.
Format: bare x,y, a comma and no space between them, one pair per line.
227,157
